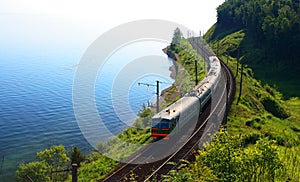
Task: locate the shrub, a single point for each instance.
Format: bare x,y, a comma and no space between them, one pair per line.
274,108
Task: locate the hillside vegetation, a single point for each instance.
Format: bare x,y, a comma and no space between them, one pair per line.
262,141
271,39
273,24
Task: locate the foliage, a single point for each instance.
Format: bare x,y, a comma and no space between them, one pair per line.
96,168
254,156
291,160
229,159
55,156
193,172
176,37
76,156
262,111
270,43
187,57
50,161
274,107
270,22
261,107
145,112
37,171
232,158
272,130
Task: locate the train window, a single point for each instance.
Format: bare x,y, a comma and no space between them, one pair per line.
156,125
155,122
160,123
173,122
164,125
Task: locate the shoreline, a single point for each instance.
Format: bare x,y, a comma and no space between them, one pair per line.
174,71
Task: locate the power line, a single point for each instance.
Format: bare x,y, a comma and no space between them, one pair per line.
157,91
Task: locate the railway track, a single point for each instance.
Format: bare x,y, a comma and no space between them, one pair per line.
144,170
187,150
139,172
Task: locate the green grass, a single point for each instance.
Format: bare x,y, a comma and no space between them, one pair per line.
262,108
285,79
96,168
246,157
258,100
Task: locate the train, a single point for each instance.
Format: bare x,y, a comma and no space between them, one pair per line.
189,107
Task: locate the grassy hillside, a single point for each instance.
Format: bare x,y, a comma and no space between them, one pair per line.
259,41
281,76
258,100
262,119
272,39
271,24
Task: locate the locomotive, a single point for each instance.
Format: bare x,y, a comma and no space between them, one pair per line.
189,106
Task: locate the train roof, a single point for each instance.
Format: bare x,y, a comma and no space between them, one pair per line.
200,89
190,98
174,109
214,66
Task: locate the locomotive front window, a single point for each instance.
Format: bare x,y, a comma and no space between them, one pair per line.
155,123
164,125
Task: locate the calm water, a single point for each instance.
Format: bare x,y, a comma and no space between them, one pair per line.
36,101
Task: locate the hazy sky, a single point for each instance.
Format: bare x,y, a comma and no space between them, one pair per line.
49,19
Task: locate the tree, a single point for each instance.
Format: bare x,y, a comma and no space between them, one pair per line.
76,156
273,25
176,37
33,171
55,157
48,167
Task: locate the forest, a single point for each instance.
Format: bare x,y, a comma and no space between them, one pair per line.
274,25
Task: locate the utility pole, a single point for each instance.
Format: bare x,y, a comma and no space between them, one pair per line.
157,92
237,63
227,57
241,85
218,47
74,172
196,71
157,96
